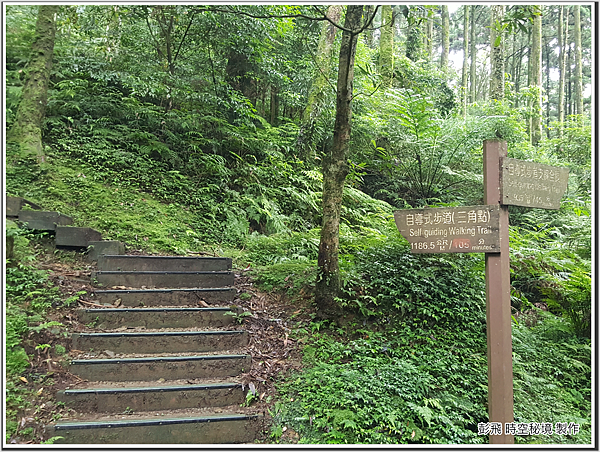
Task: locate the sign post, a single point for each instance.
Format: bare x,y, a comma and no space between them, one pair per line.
497,288
484,229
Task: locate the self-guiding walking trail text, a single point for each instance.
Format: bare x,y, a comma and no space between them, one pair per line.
484,229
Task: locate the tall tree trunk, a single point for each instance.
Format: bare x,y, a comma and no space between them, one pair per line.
578,70
570,82
27,128
535,66
465,67
473,54
368,33
429,34
335,170
547,86
386,45
445,37
562,42
519,64
497,54
318,90
414,38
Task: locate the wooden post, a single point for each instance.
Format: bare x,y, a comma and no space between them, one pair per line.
498,314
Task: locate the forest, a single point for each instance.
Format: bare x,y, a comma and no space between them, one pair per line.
285,137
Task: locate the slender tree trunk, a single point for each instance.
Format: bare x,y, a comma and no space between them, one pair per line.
519,64
414,38
27,128
318,90
562,41
335,170
368,33
570,83
473,54
513,59
429,35
547,71
578,68
536,79
465,67
386,45
497,54
445,38
529,46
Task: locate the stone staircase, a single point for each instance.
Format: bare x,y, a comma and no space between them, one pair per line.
158,368
31,216
159,360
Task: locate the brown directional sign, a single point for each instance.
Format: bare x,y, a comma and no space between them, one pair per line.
532,184
465,229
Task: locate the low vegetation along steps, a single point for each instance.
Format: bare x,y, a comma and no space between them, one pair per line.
159,364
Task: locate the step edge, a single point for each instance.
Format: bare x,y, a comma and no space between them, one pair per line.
155,359
152,422
143,256
198,387
127,310
160,272
182,289
166,333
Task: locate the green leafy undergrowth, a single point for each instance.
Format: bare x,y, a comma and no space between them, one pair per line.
29,296
421,290
405,386
375,390
291,278
546,269
414,370
552,377
117,211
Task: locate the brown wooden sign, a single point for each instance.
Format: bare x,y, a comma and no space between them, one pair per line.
465,229
531,184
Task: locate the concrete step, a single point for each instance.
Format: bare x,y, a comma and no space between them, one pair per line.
165,297
14,204
104,247
163,263
43,220
206,429
161,342
148,398
167,367
74,237
163,279
156,318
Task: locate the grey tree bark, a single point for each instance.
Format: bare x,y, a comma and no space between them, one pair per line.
563,32
465,67
578,69
535,82
497,54
473,55
386,45
445,37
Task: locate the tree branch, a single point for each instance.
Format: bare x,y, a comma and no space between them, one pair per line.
184,36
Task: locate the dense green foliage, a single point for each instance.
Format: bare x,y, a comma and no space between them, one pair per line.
175,129
415,369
